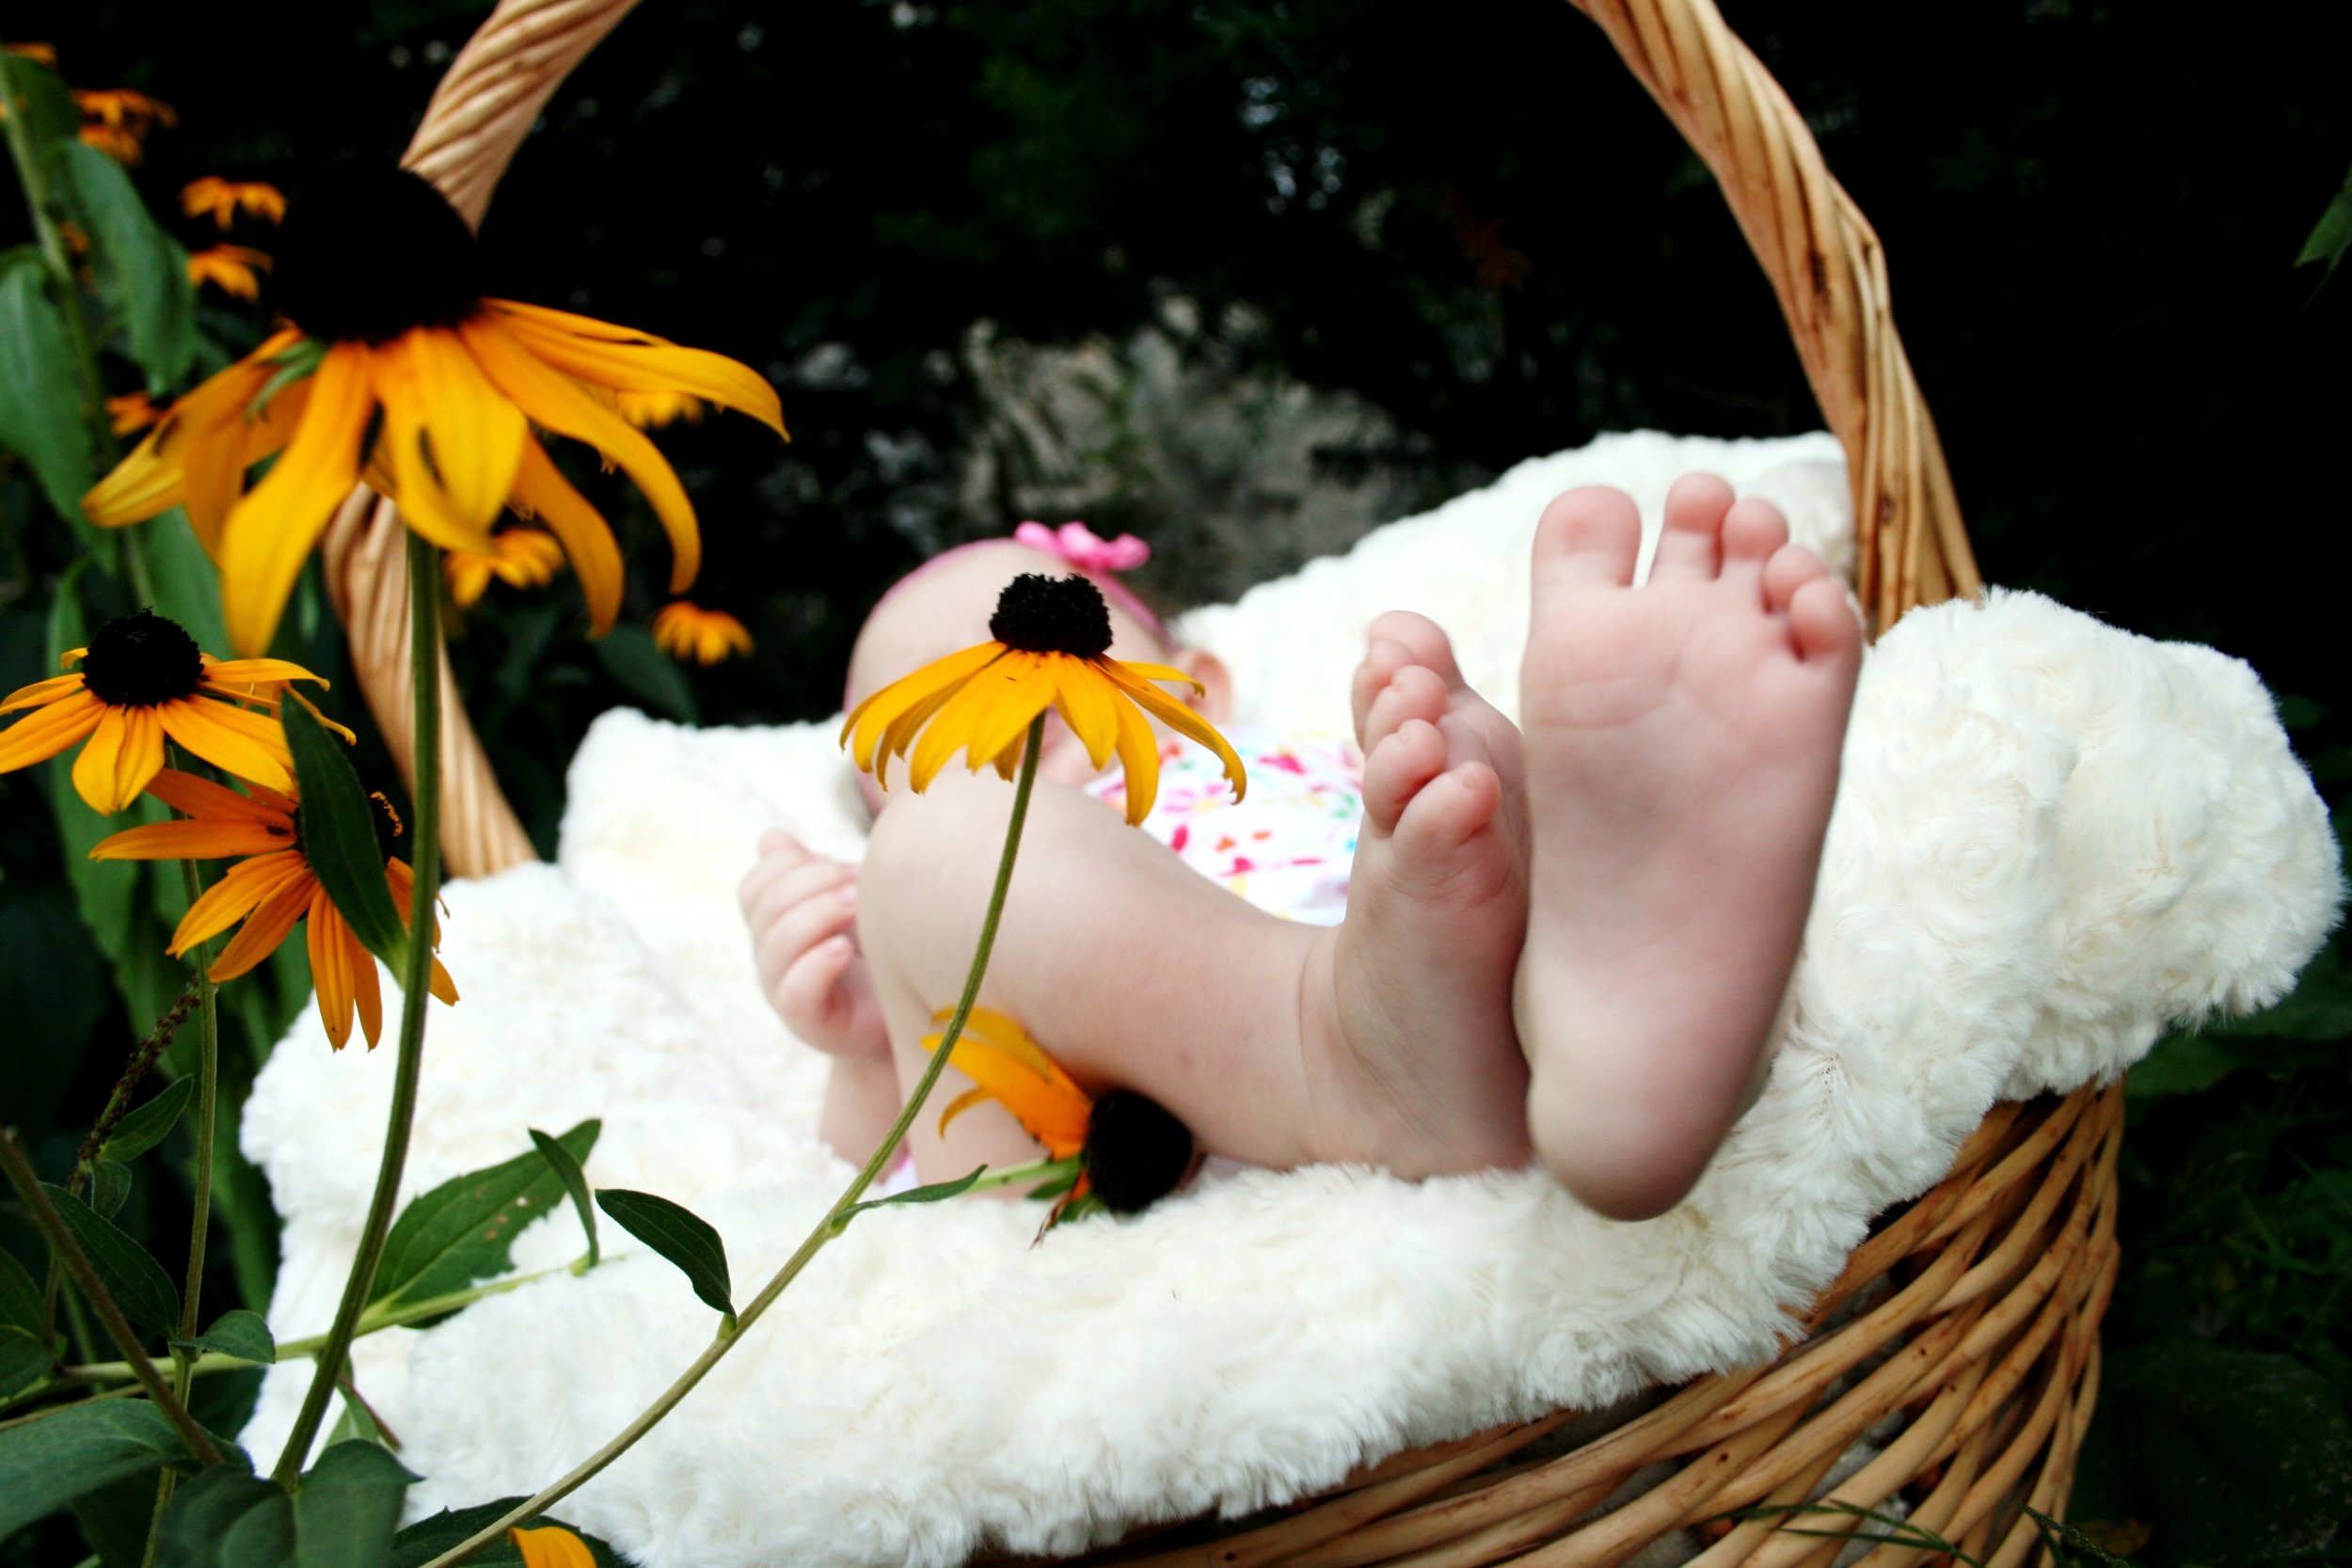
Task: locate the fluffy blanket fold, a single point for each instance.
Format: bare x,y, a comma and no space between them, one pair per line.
2051,838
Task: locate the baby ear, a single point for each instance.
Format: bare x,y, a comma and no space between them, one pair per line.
1215,702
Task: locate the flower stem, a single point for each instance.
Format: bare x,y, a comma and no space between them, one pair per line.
77,1263
207,1108
827,1227
424,663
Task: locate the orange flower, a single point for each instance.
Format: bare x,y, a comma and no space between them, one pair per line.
225,199
124,147
685,630
131,411
140,679
523,557
40,53
230,269
271,890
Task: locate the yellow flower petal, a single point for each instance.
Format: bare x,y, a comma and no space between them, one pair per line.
549,497
258,672
42,693
558,404
552,1546
269,534
1000,728
251,745
1177,716
152,479
185,792
875,717
952,727
1091,707
330,967
124,753
402,451
475,436
626,361
1138,761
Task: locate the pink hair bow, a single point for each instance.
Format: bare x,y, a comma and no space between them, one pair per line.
1083,548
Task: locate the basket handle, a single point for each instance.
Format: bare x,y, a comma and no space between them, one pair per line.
1823,260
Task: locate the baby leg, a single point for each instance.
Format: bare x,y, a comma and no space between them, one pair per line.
1387,1040
1682,742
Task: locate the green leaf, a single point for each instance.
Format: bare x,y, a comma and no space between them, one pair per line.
23,1358
574,1181
109,1188
262,1537
464,1229
205,1508
20,1297
348,1507
144,1126
49,103
339,836
238,1333
142,272
2332,236
46,1464
428,1539
678,1234
355,1423
116,1518
640,669
937,1192
43,418
137,1281
188,585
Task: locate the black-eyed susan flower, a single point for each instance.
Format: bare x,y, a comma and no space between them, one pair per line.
142,679
40,53
396,366
272,888
116,121
552,1546
230,268
1127,1149
1052,637
685,630
223,199
519,557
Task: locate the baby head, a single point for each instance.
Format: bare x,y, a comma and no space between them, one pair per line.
944,605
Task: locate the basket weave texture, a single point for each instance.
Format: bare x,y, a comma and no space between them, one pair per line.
1962,1338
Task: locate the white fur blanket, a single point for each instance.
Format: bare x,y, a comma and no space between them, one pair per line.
2050,838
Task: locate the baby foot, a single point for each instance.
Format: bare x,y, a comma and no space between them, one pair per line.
1682,742
1409,1042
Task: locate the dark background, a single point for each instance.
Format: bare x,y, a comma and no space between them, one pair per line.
1473,223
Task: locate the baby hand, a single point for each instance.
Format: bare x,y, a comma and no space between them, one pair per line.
803,913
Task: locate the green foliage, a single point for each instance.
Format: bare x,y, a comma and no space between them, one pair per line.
46,1464
142,272
41,419
136,1280
2333,235
568,1170
348,1508
145,1125
23,1358
20,1297
338,839
934,1193
109,1187
679,1235
207,1509
464,1229
239,1333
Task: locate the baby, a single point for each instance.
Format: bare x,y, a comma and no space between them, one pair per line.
1568,940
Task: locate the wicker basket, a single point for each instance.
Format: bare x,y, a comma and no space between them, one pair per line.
1962,1336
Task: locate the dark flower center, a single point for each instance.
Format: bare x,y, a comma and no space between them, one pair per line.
141,660
1135,1153
1039,614
367,256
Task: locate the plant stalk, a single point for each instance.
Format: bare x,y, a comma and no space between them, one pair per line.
424,663
207,1110
827,1227
77,1263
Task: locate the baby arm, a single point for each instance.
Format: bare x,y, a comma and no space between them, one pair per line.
801,909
